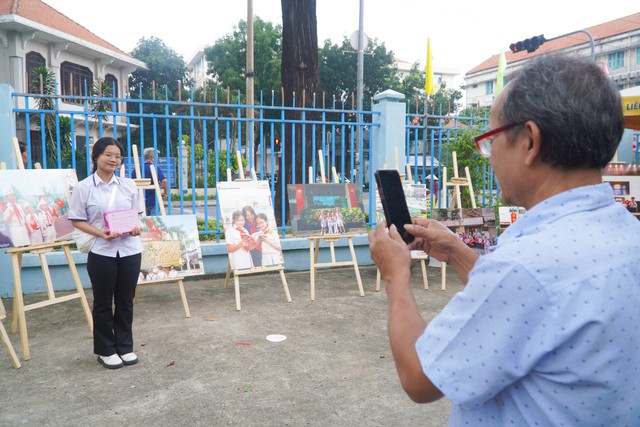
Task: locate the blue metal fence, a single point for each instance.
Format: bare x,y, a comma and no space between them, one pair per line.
427,145
201,136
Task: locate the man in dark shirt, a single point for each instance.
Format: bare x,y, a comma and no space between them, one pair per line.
150,195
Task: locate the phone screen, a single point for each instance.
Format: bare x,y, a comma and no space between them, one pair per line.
393,201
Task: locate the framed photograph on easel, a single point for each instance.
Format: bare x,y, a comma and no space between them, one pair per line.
250,230
246,208
34,205
171,248
326,208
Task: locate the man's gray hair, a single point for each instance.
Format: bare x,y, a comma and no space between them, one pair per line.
149,152
577,108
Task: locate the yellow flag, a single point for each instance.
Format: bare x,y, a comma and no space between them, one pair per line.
429,87
502,65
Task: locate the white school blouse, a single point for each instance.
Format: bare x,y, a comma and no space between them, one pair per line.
90,200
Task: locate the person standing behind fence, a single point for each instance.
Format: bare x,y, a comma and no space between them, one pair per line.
150,195
23,153
114,261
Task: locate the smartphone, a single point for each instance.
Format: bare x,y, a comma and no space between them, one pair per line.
393,201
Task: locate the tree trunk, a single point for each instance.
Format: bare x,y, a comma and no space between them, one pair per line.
299,72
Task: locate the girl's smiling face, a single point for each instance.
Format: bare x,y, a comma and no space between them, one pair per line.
262,224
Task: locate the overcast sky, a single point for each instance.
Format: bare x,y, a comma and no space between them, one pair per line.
463,32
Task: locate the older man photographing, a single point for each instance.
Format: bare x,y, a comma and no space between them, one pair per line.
546,330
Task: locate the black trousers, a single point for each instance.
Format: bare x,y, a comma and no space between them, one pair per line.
114,284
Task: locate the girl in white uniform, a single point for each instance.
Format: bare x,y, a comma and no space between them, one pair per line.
236,237
113,263
271,251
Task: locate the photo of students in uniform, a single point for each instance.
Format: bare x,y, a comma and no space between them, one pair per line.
34,205
326,208
267,237
35,227
250,228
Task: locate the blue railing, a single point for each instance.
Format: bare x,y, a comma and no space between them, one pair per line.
201,138
216,130
428,149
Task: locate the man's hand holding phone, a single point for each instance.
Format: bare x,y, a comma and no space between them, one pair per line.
393,201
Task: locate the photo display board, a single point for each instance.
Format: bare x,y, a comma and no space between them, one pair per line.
417,201
250,229
326,208
476,227
34,206
171,247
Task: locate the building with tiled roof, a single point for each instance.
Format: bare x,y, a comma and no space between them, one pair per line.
33,34
34,26
615,43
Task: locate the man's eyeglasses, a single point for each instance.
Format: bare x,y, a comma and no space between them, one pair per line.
484,141
113,156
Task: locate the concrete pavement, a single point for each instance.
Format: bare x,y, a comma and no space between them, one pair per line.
334,369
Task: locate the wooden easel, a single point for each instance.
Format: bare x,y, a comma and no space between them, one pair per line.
254,270
18,316
314,241
3,314
153,184
5,339
456,182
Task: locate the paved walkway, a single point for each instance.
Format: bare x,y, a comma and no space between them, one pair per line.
334,369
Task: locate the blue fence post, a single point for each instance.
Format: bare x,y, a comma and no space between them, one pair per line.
7,131
386,138
391,133
7,127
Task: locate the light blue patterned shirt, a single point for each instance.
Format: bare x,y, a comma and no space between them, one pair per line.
547,331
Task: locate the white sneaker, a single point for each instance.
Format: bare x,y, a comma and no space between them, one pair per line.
111,362
129,358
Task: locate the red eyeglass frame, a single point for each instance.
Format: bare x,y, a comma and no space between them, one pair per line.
491,133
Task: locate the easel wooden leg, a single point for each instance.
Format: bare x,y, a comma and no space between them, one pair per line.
14,311
12,353
377,280
355,266
312,269
47,275
19,306
443,271
284,283
425,279
185,304
226,279
79,288
236,281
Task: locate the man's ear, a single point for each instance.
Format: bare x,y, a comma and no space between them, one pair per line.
531,132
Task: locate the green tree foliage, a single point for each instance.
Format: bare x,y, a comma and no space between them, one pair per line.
164,67
227,58
44,79
338,66
212,166
463,143
475,115
412,85
444,102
